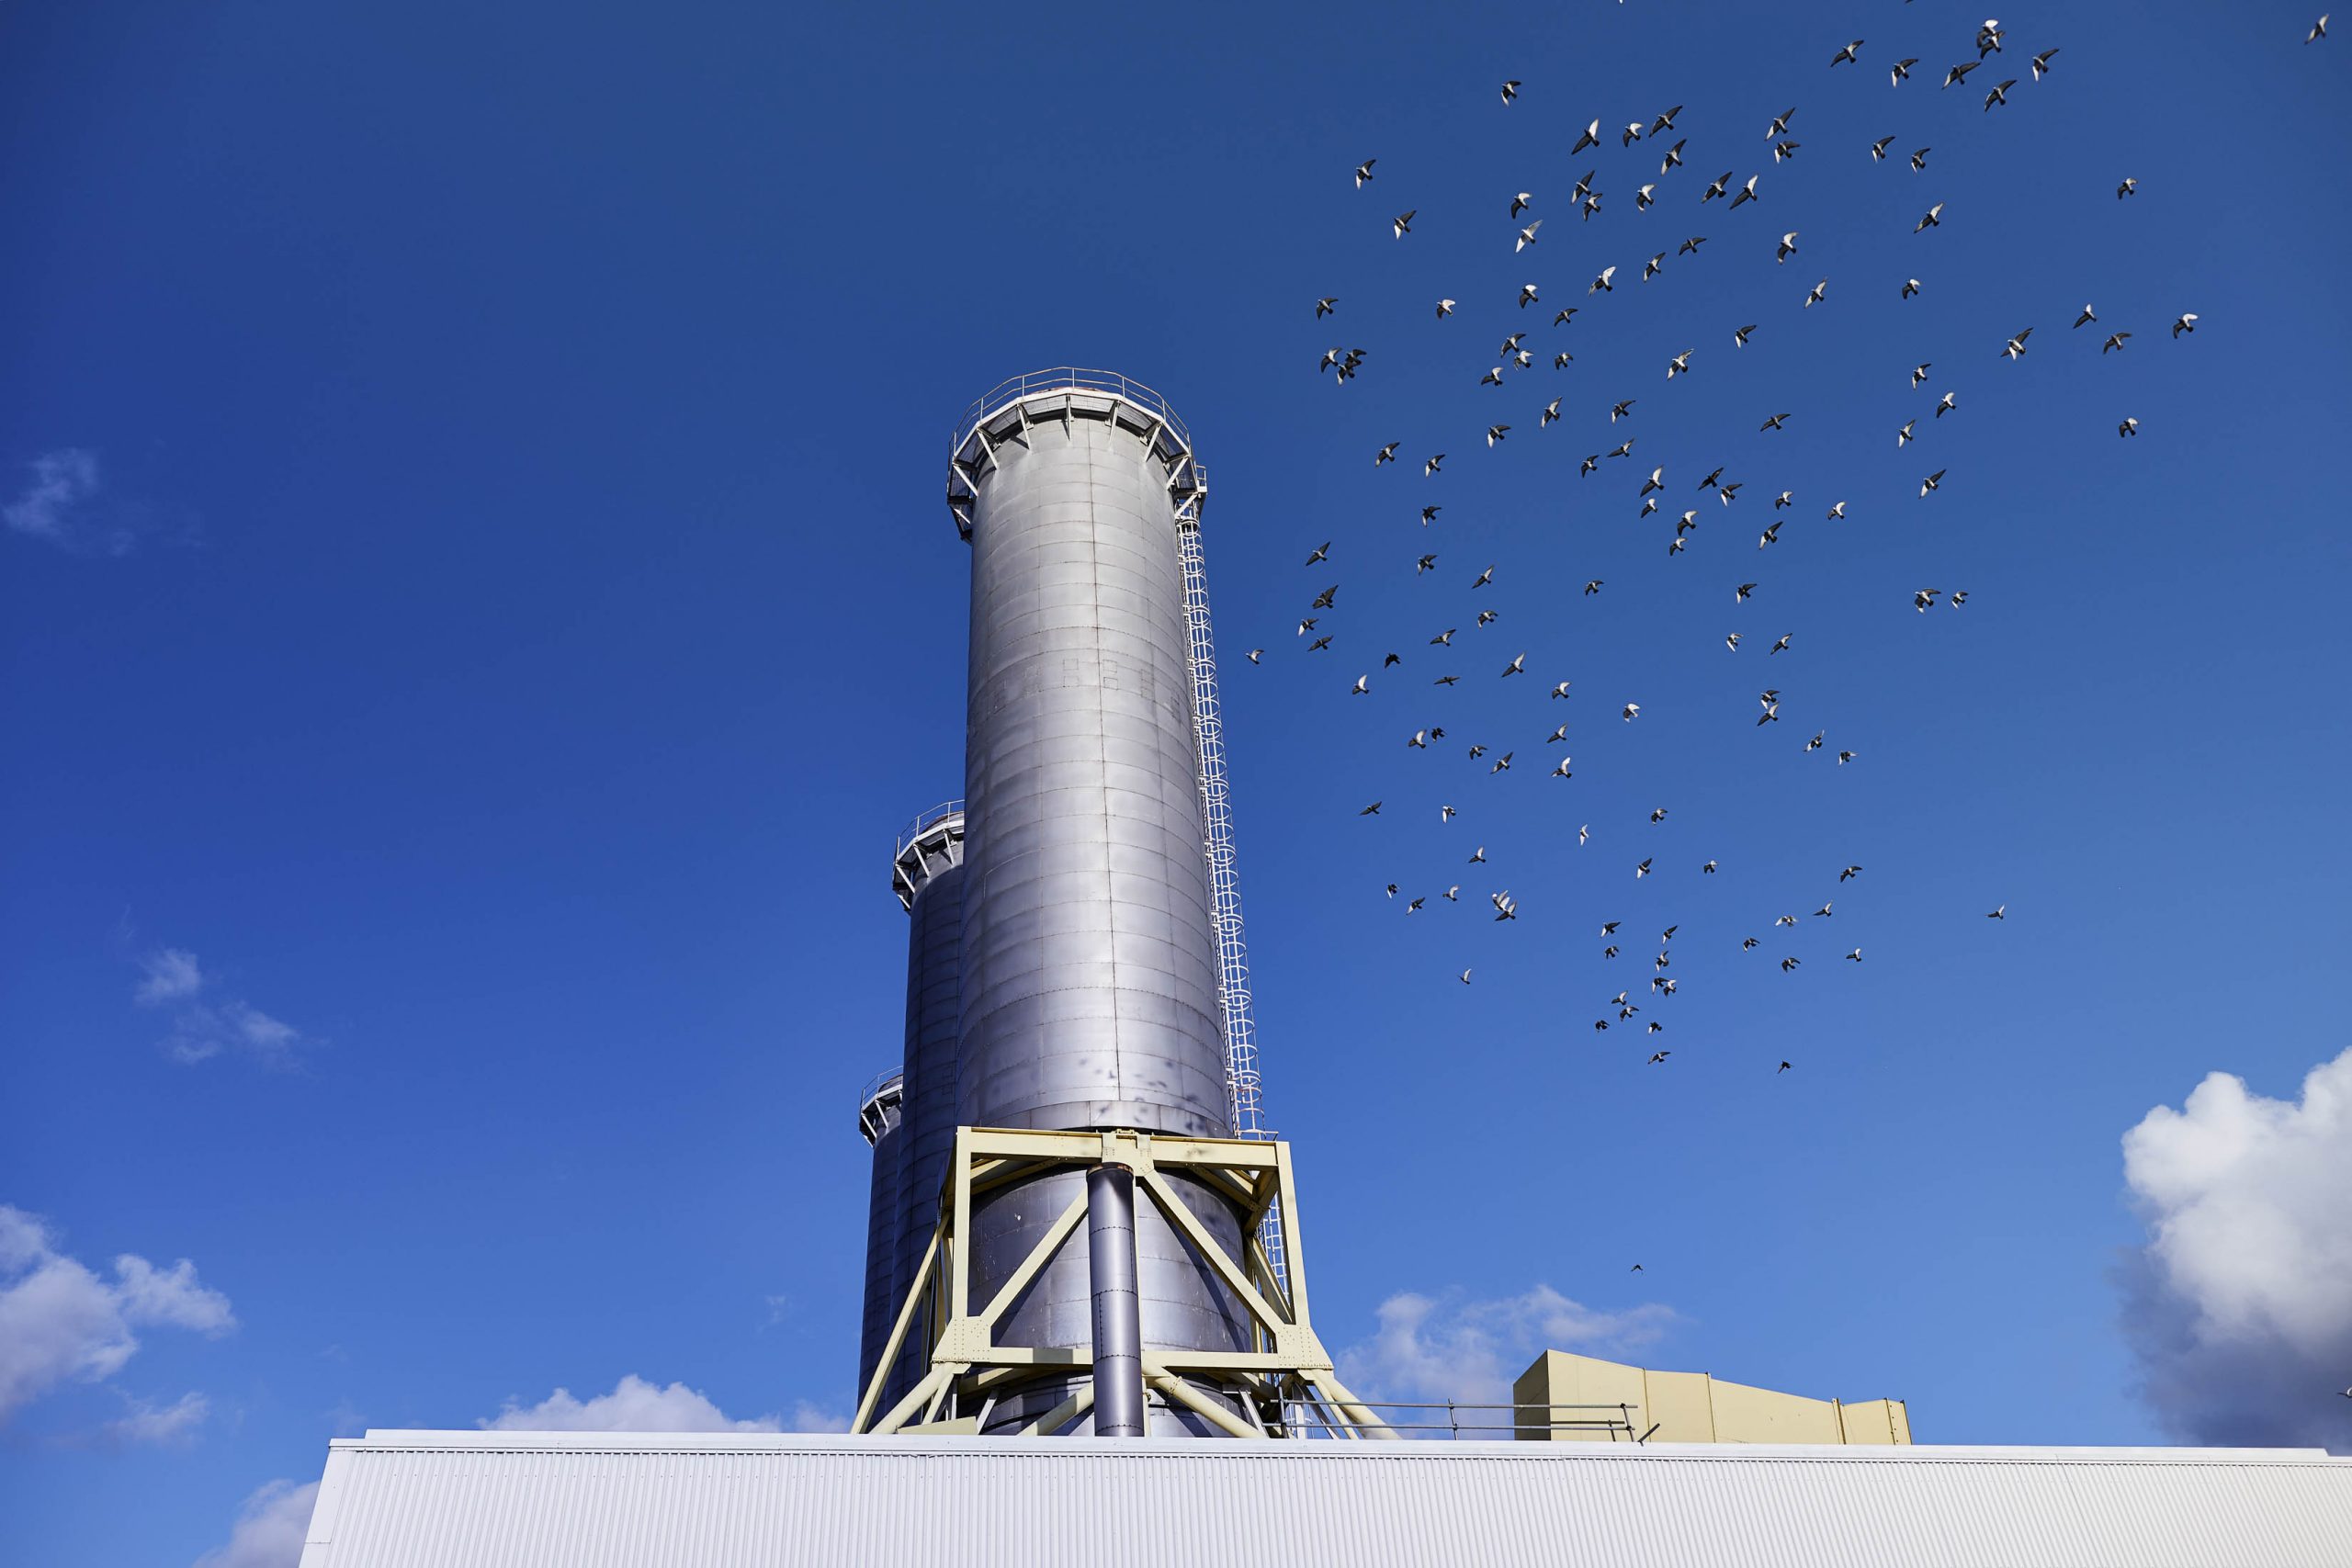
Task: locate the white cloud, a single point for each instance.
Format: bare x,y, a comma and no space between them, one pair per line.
637,1405
1427,1351
161,1424
58,1321
201,1031
48,506
270,1528
2240,1304
169,1296
171,975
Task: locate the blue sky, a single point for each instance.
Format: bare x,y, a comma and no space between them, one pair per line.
476,586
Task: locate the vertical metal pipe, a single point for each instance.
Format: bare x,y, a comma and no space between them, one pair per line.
1118,1308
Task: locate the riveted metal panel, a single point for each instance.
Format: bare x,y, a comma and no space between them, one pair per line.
1086,868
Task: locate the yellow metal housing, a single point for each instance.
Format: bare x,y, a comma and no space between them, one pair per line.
1694,1408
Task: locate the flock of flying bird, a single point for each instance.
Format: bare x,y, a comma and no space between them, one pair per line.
1516,355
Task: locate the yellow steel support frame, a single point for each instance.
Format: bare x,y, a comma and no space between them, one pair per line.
1286,1367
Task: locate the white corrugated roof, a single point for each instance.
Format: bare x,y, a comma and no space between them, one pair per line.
399,1499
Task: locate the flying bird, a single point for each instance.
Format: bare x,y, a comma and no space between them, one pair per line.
1364,172
1403,222
2041,63
1846,56
1511,91
1910,287
1527,236
1602,285
1932,219
1932,481
1325,307
2186,323
1902,70
1878,149
1746,192
1591,138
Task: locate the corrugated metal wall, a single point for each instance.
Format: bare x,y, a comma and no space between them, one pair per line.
507,1500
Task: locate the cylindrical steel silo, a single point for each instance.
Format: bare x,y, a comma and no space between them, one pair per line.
878,1119
1089,956
927,874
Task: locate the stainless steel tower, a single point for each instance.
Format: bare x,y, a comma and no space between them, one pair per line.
927,874
1090,961
1095,1231
878,1117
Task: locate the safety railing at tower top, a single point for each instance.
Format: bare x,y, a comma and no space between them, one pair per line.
1073,379
882,1090
1455,1419
924,820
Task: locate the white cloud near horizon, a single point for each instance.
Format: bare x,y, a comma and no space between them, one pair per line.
203,1030
270,1528
1429,1351
638,1406
2239,1306
61,1322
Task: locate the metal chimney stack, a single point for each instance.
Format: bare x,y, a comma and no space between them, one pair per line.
1084,1224
1090,980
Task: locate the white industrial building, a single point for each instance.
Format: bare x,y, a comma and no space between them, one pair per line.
420,1499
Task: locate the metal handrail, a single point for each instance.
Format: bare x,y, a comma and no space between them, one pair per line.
1060,378
1610,1419
924,819
877,1083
